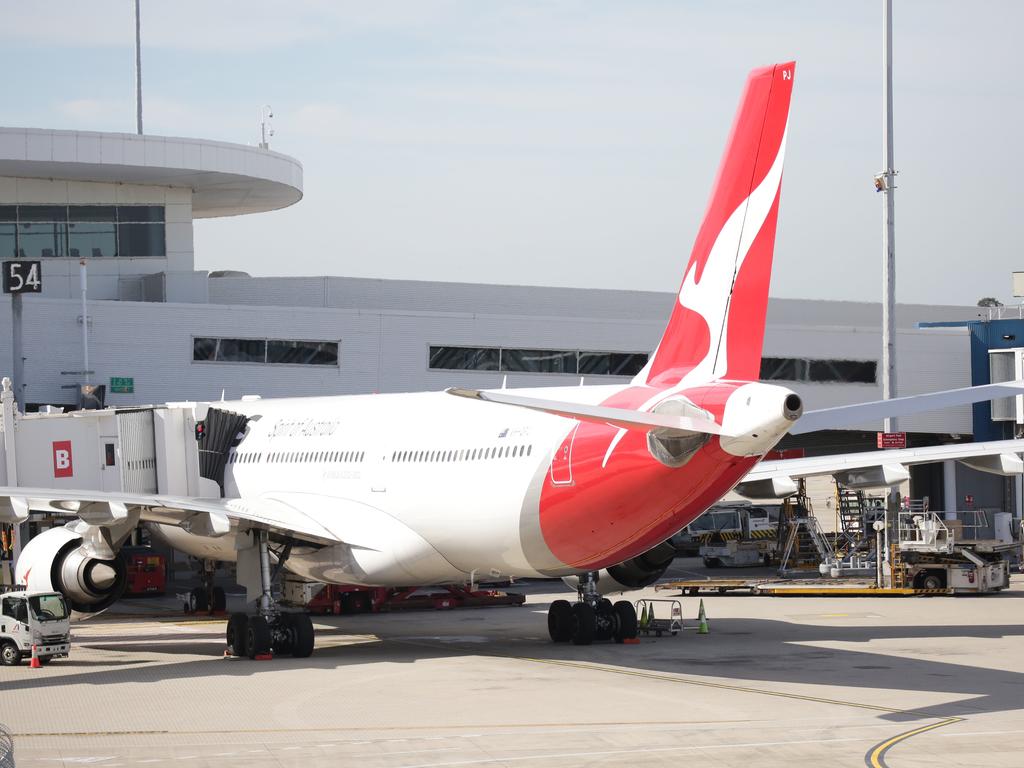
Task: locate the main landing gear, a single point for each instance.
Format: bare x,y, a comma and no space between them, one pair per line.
271,632
207,598
591,617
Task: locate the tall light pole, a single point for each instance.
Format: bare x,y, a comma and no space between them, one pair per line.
138,70
886,183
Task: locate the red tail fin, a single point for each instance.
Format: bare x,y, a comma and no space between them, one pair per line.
717,326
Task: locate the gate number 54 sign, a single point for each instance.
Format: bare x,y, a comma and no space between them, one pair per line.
23,277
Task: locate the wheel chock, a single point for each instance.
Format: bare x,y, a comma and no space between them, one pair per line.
264,657
631,641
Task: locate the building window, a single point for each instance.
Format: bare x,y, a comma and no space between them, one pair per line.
819,371
206,349
76,231
511,360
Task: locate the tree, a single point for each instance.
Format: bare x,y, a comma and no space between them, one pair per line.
989,301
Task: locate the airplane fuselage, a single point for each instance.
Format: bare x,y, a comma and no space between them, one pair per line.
462,489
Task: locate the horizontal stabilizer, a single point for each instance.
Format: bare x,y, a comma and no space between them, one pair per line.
623,418
861,413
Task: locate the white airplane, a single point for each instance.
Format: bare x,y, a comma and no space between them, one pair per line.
446,487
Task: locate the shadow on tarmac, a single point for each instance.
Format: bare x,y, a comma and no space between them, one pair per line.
766,654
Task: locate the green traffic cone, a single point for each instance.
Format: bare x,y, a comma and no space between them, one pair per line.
643,617
702,629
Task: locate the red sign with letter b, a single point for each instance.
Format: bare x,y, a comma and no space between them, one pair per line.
62,466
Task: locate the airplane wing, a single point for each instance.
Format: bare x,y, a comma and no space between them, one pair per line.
776,478
859,413
624,418
205,517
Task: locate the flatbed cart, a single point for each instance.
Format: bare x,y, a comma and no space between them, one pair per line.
651,625
710,586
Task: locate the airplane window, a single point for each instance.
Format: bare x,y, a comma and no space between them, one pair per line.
529,450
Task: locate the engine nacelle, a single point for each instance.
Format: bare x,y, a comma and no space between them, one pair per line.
56,561
642,571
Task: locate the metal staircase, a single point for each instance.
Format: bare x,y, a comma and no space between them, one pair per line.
803,544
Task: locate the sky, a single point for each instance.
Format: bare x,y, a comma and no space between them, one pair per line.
561,142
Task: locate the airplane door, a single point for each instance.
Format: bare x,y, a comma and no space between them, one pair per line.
561,461
378,472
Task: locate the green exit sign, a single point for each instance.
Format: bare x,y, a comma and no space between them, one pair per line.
123,384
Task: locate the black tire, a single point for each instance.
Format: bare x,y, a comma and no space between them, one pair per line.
304,637
44,660
236,634
257,637
10,656
584,624
932,580
560,621
626,622
220,600
197,601
712,562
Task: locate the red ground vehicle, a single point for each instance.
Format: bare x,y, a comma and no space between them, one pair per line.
146,571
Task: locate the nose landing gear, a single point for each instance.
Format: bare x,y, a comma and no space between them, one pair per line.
591,617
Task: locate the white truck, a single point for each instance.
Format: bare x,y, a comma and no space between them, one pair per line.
41,619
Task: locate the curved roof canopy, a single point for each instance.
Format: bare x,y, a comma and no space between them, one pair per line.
226,179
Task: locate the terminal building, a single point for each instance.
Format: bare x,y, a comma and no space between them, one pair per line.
159,330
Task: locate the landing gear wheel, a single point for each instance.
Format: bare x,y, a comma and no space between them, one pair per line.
237,625
257,637
605,620
627,624
220,600
197,601
302,646
560,621
9,654
585,624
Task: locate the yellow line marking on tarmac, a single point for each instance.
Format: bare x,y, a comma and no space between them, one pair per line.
875,757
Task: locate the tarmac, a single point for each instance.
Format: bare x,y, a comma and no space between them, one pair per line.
900,682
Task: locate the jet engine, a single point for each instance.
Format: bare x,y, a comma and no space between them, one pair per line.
57,561
637,573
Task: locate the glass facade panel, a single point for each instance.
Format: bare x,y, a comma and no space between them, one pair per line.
44,240
140,240
242,351
538,361
855,371
464,358
8,241
594,363
57,213
93,239
44,231
204,349
140,213
92,213
585,363
280,351
627,363
302,352
821,371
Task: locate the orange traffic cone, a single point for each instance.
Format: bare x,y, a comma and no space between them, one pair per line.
34,664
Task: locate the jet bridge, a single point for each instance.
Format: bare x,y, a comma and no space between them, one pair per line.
146,449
